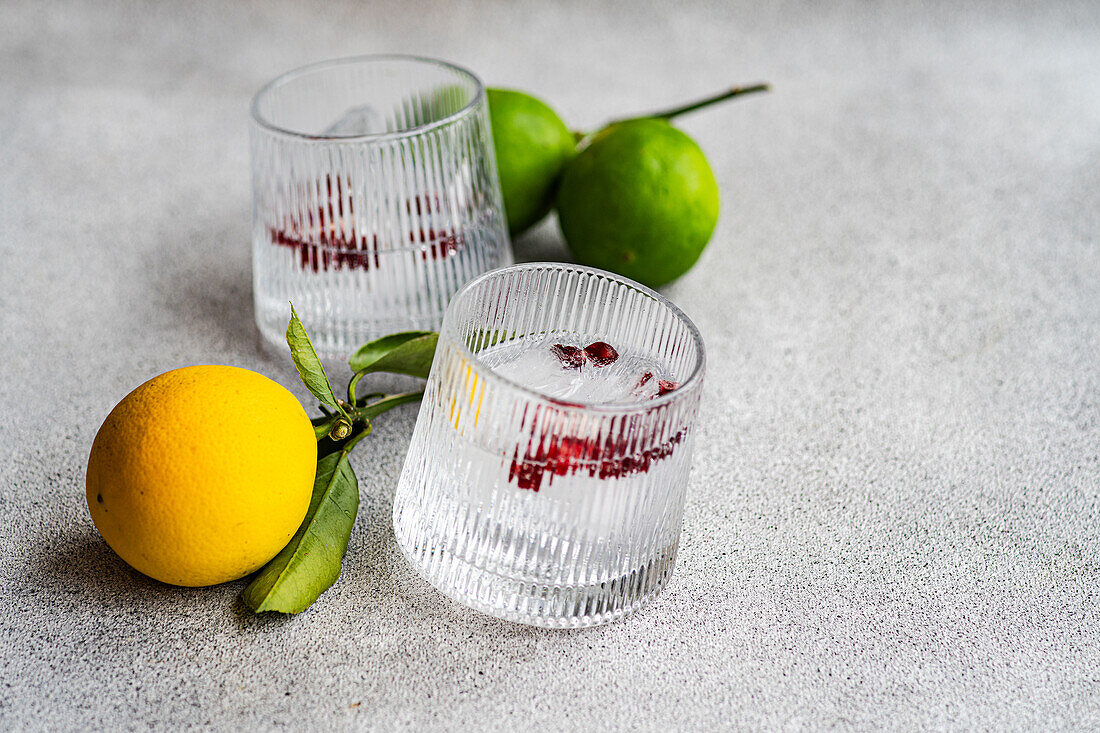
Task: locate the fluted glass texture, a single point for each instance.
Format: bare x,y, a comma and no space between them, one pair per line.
552,510
375,197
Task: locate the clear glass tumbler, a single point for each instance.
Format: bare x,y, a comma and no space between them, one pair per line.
546,476
375,197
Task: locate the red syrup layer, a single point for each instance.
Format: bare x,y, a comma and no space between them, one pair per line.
612,457
326,238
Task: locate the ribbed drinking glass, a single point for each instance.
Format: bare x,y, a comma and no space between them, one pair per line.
546,476
375,197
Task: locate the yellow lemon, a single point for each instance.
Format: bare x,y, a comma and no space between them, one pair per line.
202,474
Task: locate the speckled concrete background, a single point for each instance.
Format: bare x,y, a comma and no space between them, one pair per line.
894,518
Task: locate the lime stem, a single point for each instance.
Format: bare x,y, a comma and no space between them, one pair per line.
730,93
668,114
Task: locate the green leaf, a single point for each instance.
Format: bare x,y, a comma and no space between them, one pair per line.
310,563
408,353
308,364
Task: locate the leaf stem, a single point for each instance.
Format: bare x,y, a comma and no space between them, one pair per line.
323,426
353,383
346,450
374,409
368,397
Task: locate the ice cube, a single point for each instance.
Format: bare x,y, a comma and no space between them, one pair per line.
548,367
537,367
362,120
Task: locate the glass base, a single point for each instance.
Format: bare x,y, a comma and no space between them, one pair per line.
540,604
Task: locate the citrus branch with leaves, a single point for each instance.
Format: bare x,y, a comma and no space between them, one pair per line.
310,562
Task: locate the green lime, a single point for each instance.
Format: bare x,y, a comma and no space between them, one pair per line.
532,146
639,200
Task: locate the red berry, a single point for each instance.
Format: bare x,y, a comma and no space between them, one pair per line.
571,357
601,353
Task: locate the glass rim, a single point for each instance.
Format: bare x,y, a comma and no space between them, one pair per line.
288,76
690,383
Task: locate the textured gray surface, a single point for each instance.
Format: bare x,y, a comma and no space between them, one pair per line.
894,517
